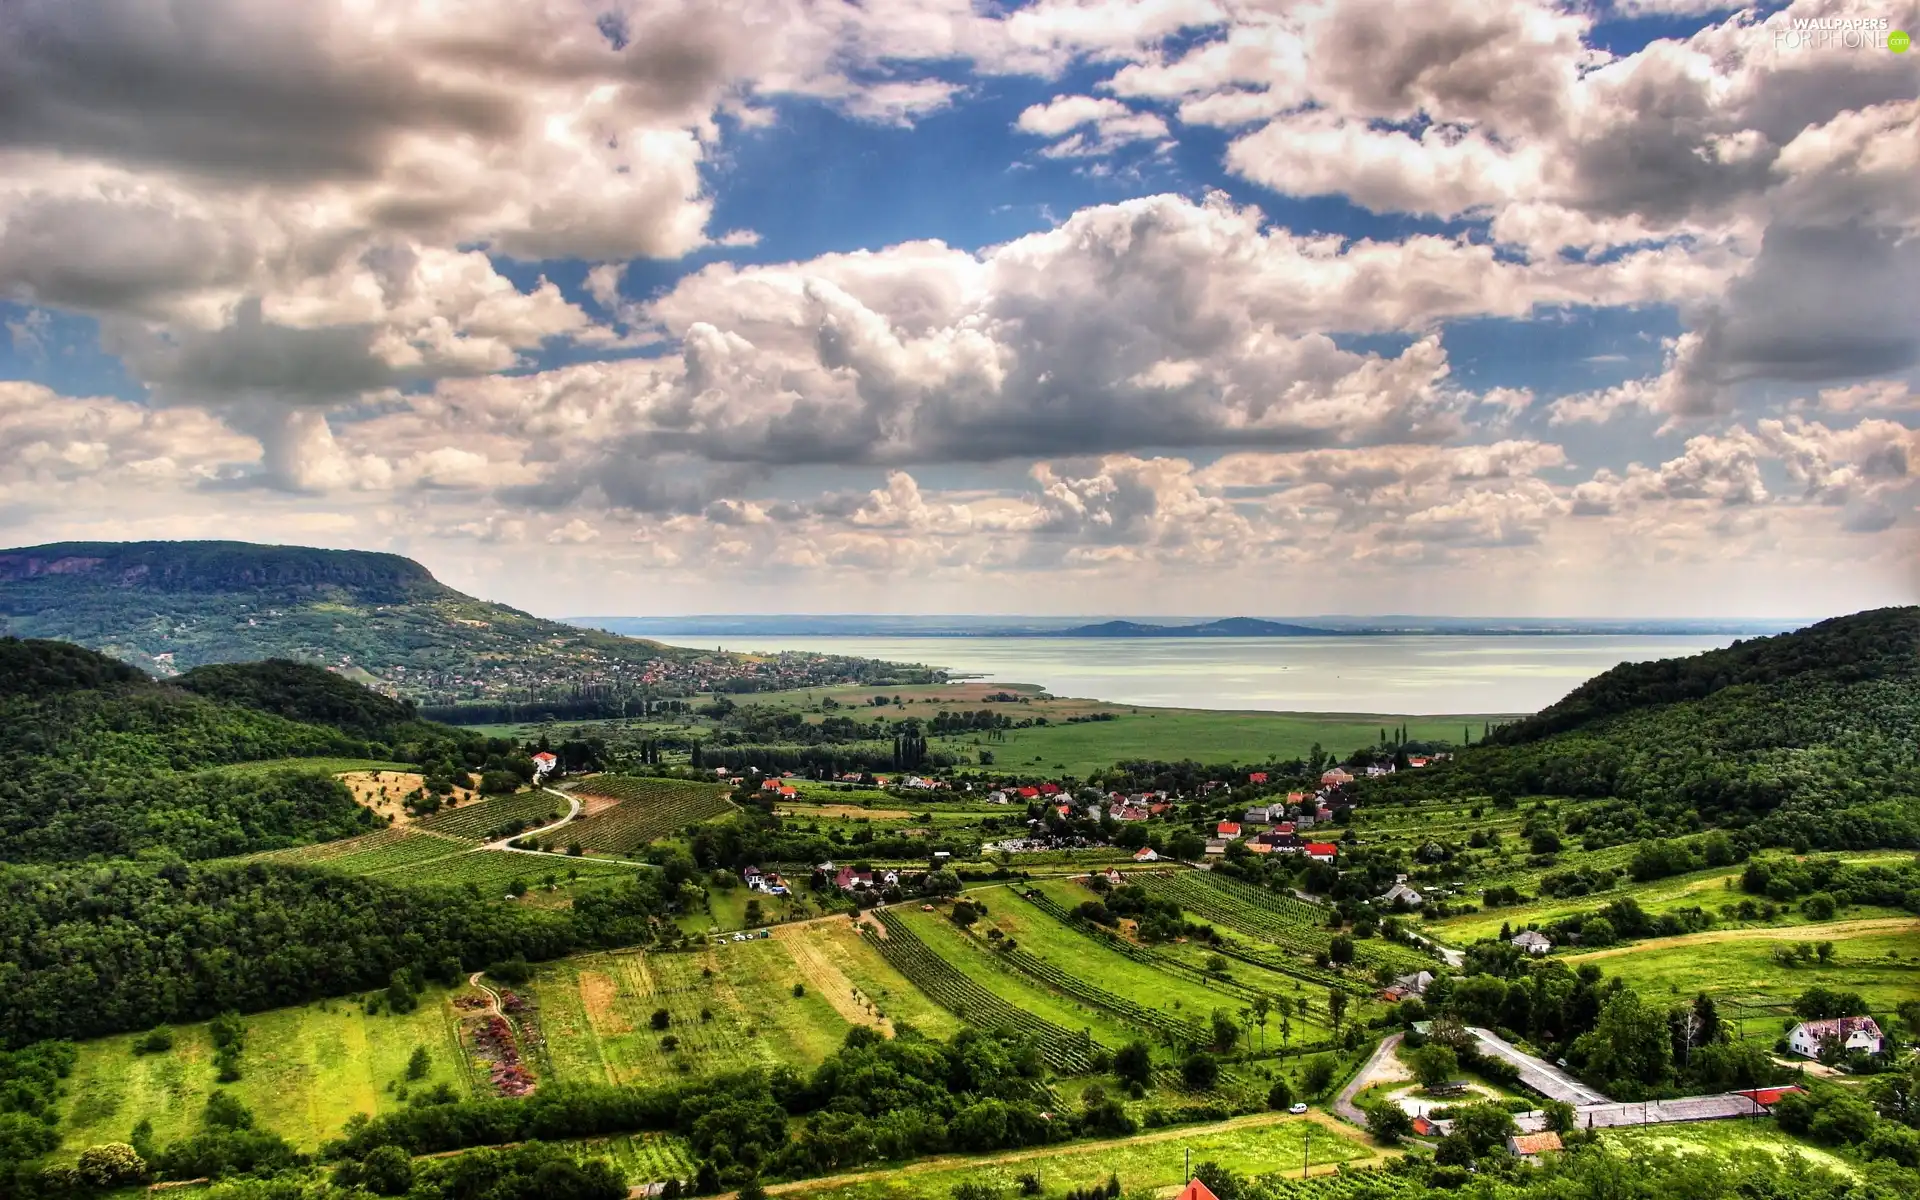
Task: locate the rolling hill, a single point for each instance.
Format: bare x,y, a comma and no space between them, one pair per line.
1804,740
380,619
97,760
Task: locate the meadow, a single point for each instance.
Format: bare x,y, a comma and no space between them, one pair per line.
1878,958
304,1071
1079,748
1711,889
728,1008
1259,1144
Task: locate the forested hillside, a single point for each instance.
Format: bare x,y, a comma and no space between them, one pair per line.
1801,740
99,761
85,952
379,618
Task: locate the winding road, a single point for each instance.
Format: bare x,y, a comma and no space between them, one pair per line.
1369,1074
506,843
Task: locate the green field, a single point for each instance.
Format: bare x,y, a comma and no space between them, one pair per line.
304,1071
728,1009
1880,959
645,809
493,870
480,821
1710,889
844,966
970,956
313,766
1207,735
377,852
1724,1138
1152,1161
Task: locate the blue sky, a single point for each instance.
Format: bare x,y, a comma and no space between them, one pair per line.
1476,307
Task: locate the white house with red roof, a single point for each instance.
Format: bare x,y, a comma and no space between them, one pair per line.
544,764
1227,830
1322,851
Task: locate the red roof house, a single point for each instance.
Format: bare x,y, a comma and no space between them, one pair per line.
1195,1190
1257,777
1324,851
1228,829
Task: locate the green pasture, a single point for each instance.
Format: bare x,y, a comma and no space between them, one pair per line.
728,1009
1712,889
1250,1145
1723,1138
1210,737
310,766
304,1071
844,966
1736,968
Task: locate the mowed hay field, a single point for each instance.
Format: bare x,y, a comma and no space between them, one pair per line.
304,1071
729,1008
1268,1142
1880,959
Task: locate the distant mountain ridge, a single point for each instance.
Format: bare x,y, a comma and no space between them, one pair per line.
1226,627
216,566
376,618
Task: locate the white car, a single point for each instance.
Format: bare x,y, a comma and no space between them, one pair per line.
1297,1109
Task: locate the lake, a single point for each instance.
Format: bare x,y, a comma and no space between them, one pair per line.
1410,674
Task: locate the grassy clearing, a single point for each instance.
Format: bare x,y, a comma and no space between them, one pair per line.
1879,959
304,1072
727,1009
310,766
1711,889
824,949
1252,1145
1724,1138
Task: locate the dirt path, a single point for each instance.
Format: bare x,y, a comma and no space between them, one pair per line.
947,1162
493,1000
1381,1066
1790,933
573,810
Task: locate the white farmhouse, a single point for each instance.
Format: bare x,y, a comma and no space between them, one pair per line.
1855,1033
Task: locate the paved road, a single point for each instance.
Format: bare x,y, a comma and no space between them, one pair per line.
1538,1074
1343,1105
573,810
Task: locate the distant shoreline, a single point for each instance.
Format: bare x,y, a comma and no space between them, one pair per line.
1163,630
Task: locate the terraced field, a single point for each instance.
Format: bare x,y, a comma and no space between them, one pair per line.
490,818
645,810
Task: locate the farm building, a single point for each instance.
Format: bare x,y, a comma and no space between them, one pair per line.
1532,1145
1533,941
1854,1033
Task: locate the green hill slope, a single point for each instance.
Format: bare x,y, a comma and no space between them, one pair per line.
167,607
99,761
1804,740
